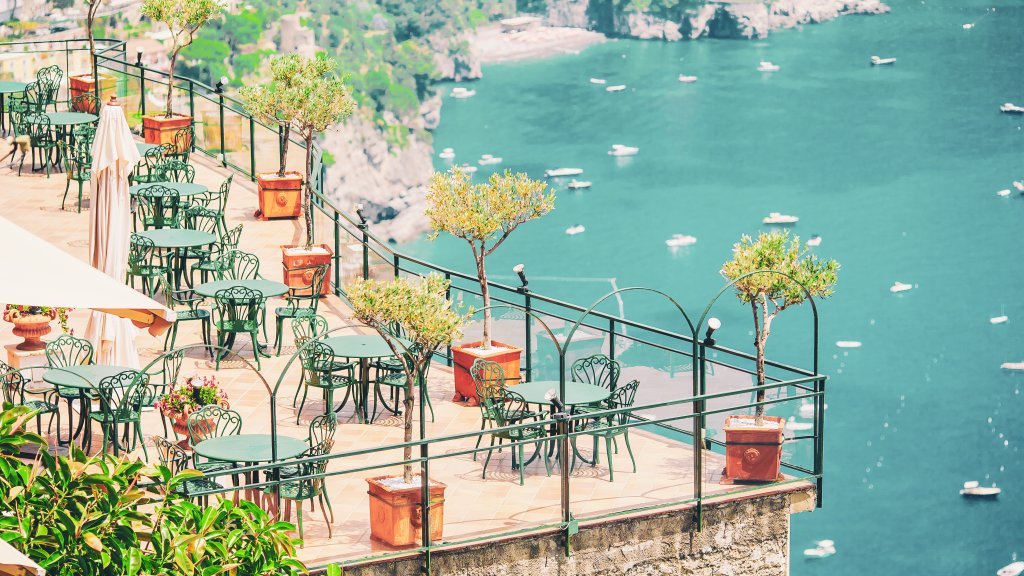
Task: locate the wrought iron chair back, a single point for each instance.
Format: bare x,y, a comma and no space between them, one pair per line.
49,83
622,397
598,370
12,381
174,457
121,395
35,97
317,361
488,378
238,309
159,207
322,429
182,144
241,266
152,165
213,421
202,219
39,129
175,170
67,351
85,102
141,254
306,327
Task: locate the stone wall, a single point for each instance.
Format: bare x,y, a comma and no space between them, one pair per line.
743,537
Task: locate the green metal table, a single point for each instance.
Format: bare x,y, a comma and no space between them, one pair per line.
85,379
176,239
184,189
249,449
364,347
144,147
576,394
8,87
268,288
71,118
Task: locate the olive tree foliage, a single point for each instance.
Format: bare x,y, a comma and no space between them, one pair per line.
792,276
423,313
183,18
277,101
484,215
80,515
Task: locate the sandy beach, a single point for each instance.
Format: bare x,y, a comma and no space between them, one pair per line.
493,46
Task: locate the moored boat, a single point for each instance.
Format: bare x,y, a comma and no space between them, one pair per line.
998,319
878,61
578,184
598,81
848,344
687,79
622,150
487,159
678,240
1009,108
814,240
574,230
616,88
559,172
972,489
460,93
766,66
779,218
1012,365
900,287
1014,569
447,153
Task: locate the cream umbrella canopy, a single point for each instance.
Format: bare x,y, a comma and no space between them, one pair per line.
114,154
14,563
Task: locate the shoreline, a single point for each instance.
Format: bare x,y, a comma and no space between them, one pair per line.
492,46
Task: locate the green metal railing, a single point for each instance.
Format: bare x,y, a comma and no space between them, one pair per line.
240,142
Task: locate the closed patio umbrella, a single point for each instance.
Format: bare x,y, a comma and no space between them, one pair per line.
114,154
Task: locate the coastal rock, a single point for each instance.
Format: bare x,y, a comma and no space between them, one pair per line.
571,13
453,61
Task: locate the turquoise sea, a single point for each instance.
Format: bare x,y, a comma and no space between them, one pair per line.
897,169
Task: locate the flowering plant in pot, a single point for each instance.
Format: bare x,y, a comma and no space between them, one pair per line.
484,215
771,274
424,313
183,18
181,401
33,322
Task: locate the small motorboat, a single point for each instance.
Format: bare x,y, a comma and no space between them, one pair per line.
1003,193
766,66
968,26
824,549
779,218
1012,365
972,489
900,287
616,88
462,93
487,159
574,230
621,150
468,169
1018,185
814,240
877,61
1009,108
559,172
447,153
579,184
598,81
678,240
848,344
998,319
1014,569
687,79
794,425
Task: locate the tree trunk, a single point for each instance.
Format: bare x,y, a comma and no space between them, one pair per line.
284,149
170,84
307,210
92,46
486,295
408,405
759,341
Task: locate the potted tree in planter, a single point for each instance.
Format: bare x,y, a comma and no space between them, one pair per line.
484,215
183,18
86,83
321,99
280,193
424,313
754,444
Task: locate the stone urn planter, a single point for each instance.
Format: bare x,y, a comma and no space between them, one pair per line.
297,261
463,355
158,129
279,196
396,512
752,453
31,327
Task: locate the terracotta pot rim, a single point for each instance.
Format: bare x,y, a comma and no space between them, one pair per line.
272,175
376,481
505,348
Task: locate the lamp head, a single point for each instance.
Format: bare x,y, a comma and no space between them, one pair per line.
520,269
359,212
713,324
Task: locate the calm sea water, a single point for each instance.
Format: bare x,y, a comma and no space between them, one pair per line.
896,168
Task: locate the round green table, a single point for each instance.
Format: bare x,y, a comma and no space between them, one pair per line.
71,118
249,449
266,287
364,347
576,393
144,147
8,87
177,239
184,189
83,378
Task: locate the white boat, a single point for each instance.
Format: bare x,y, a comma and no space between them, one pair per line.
622,150
1009,108
779,218
807,409
678,240
574,230
877,61
616,88
900,287
1014,569
824,549
447,154
578,184
1018,185
848,344
814,240
462,93
766,66
559,172
687,79
598,81
795,426
1012,365
998,319
968,26
487,159
1003,193
468,169
972,489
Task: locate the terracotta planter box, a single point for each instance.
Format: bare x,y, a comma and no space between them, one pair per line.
505,354
396,514
297,263
158,129
280,197
86,84
752,454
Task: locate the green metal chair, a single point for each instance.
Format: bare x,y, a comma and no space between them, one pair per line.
303,329
77,168
219,258
395,383
489,380
12,383
176,459
41,139
238,310
610,427
187,308
300,301
121,397
163,381
49,84
312,486
509,408
84,135
35,97
22,136
204,220
598,370
145,262
213,421
175,170
321,430
322,370
218,201
85,102
151,168
241,265
184,140
63,352
159,207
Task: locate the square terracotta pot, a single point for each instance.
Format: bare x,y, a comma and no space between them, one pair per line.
507,355
396,514
158,129
753,454
279,196
297,263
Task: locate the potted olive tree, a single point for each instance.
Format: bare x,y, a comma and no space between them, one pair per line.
754,444
321,99
86,83
484,215
422,309
183,18
275,103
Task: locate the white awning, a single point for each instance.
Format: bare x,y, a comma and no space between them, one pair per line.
14,563
48,276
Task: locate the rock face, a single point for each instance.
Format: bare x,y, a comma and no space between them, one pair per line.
739,20
453,64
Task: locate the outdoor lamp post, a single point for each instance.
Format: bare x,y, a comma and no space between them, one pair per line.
366,240
713,324
138,56
520,269
523,289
